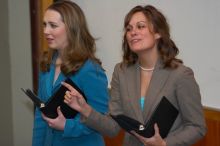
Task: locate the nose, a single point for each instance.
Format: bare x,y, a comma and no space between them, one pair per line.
133,31
46,29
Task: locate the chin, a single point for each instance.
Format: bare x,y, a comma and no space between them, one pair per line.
52,47
136,50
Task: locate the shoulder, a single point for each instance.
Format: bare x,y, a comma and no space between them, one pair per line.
183,71
118,67
91,65
90,71
183,75
122,67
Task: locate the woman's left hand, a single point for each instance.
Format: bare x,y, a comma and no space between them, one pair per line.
155,140
58,123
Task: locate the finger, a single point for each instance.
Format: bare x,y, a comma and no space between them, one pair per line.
156,129
76,94
68,96
59,112
133,132
68,86
137,135
67,93
46,118
43,116
67,99
71,89
141,138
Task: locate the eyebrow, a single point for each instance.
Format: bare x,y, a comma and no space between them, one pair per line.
50,22
137,22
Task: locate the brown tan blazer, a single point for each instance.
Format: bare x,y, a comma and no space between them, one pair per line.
178,85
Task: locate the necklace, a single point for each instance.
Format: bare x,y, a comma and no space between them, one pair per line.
146,69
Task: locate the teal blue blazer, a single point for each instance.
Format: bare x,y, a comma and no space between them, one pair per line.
92,80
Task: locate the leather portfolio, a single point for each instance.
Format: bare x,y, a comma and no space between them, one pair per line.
49,108
164,115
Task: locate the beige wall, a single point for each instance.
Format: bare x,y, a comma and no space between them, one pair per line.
6,132
16,110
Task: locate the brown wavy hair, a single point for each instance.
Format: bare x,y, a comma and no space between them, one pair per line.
166,47
81,44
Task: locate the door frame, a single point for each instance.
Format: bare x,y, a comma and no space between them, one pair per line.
38,42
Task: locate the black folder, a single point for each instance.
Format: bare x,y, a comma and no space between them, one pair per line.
164,115
49,108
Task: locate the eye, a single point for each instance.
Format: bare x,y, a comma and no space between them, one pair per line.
141,26
53,25
44,24
128,28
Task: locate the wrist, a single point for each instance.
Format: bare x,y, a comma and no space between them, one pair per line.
86,110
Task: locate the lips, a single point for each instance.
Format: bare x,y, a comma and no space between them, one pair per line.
133,41
49,40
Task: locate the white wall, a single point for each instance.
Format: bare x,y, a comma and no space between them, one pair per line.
194,28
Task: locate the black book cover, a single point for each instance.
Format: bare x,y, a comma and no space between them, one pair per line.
49,108
164,115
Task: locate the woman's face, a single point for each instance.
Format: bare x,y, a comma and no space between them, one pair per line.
139,35
55,30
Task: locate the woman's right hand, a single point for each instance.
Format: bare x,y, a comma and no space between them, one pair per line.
155,140
76,101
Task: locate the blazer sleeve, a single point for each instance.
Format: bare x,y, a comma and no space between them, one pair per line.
40,125
188,95
108,126
93,82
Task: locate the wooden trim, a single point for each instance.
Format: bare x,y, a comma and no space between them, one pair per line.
212,113
38,42
212,116
115,141
35,39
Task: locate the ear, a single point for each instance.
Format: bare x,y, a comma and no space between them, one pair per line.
157,35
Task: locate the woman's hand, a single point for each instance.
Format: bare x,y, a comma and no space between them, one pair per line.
76,101
58,123
155,140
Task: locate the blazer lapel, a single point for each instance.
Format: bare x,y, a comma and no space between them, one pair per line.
132,76
158,80
49,81
57,84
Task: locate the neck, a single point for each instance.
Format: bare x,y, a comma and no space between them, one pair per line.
58,61
147,61
60,53
148,58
